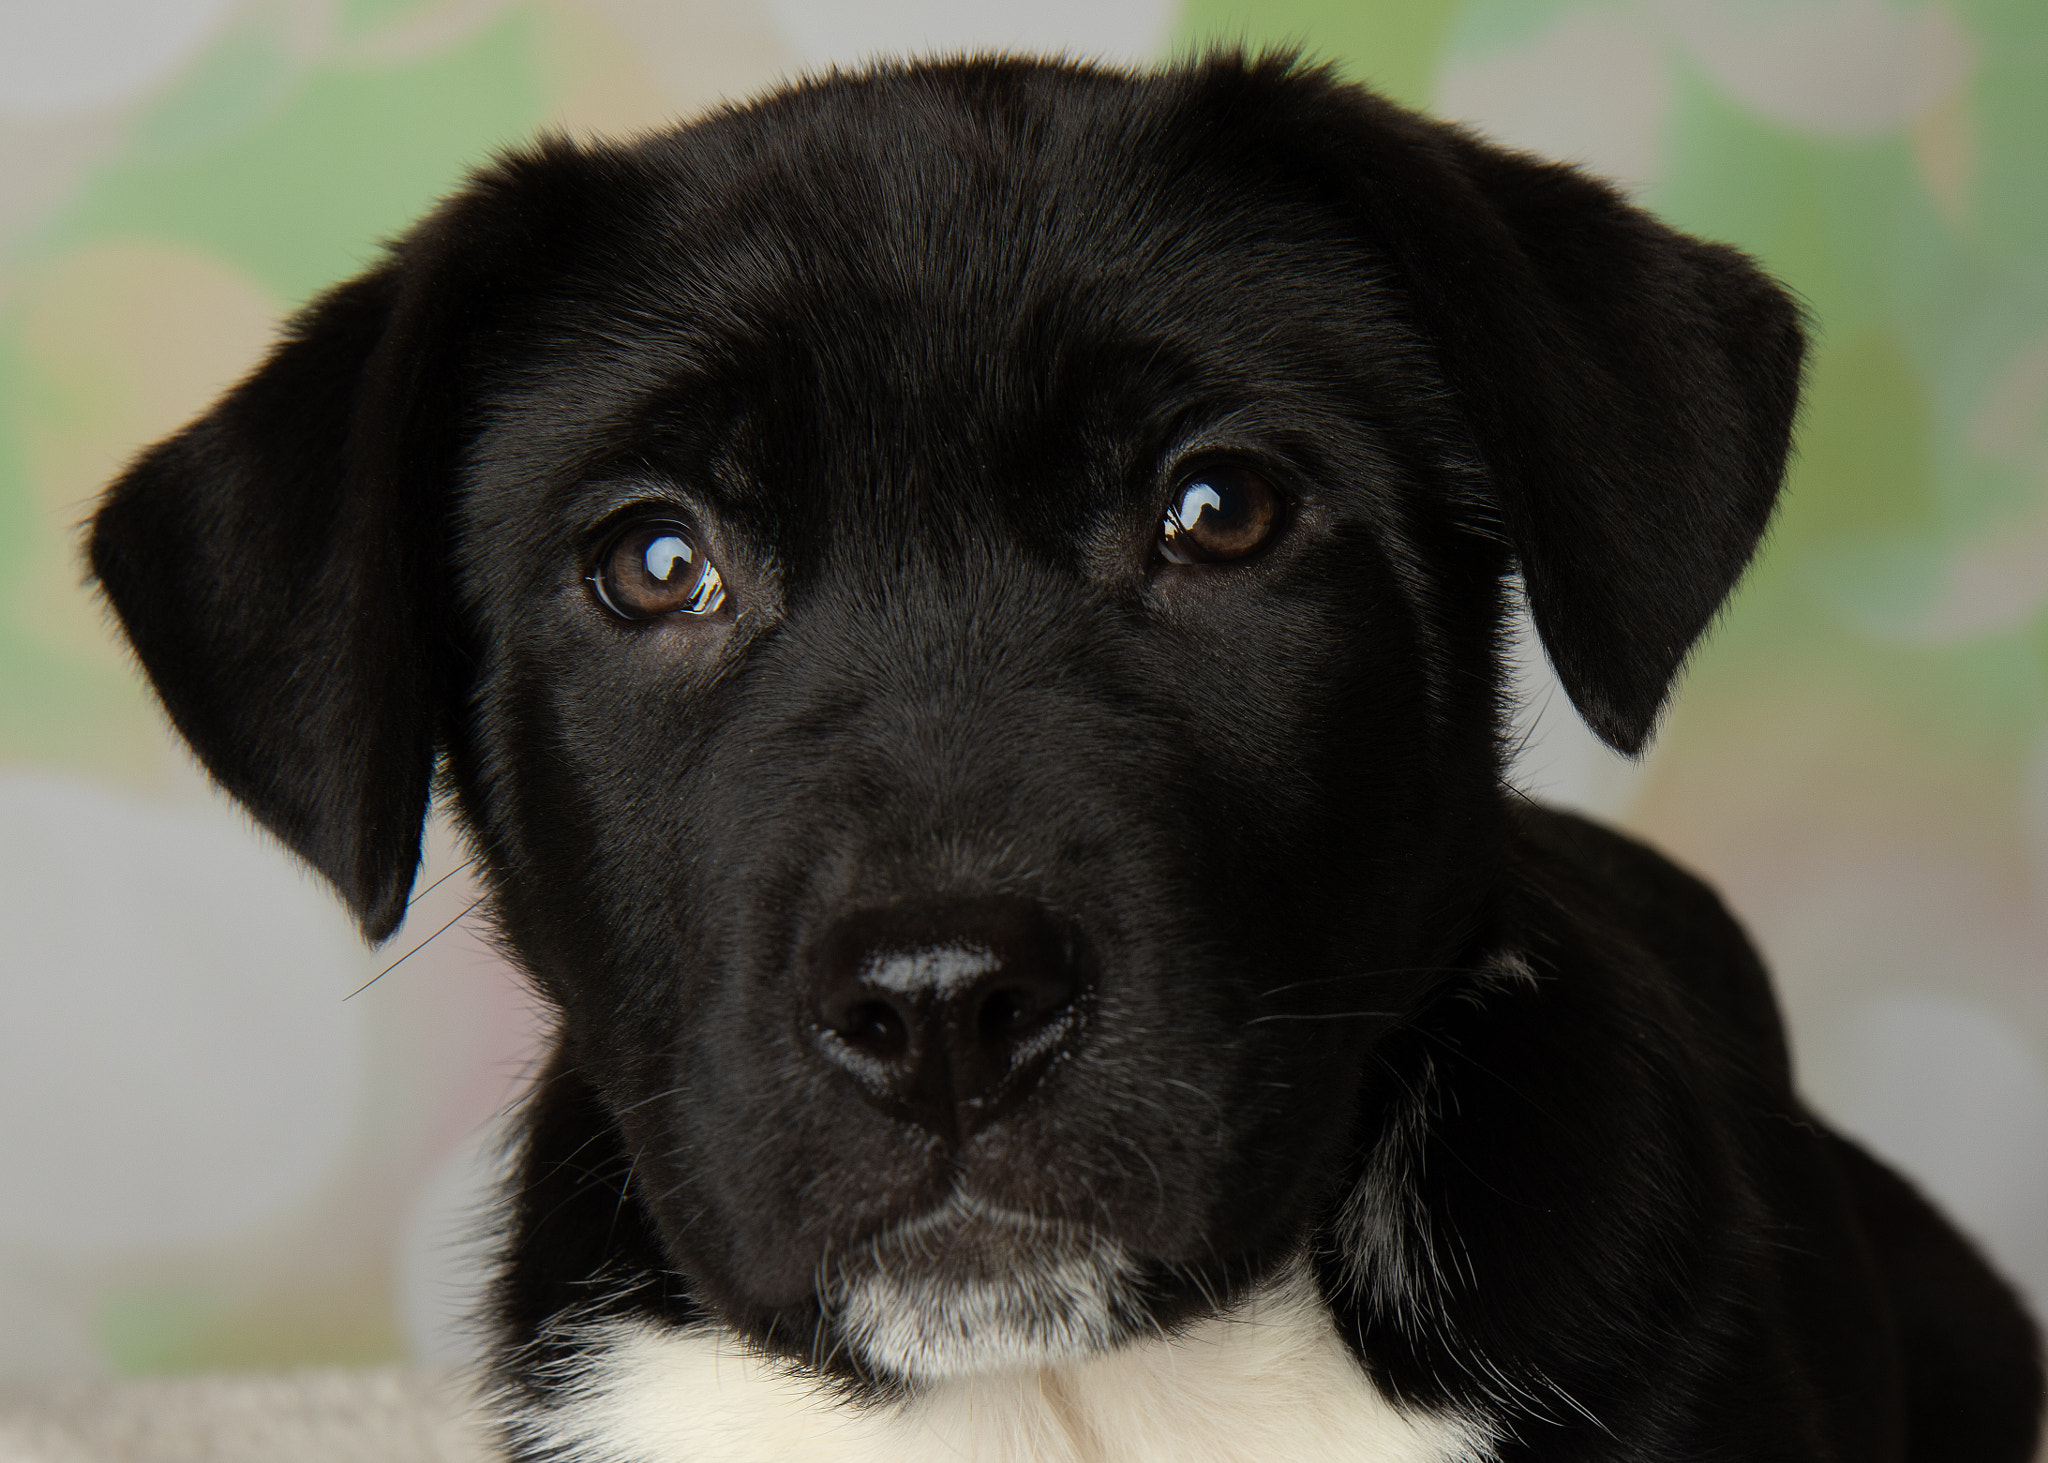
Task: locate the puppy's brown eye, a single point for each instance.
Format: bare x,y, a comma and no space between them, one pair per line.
656,568
1217,515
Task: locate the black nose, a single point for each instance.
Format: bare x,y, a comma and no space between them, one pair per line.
947,1014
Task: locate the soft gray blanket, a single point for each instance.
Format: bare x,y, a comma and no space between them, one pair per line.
384,1416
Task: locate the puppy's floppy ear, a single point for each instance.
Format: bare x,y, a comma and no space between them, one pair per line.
1630,389
272,564
277,565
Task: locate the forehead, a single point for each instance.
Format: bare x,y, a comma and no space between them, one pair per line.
931,276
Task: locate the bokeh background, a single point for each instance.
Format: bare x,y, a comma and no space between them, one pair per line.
212,1155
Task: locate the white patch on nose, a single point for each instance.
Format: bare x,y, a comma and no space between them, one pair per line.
936,972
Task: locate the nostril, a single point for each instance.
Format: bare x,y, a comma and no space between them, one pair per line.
1004,1015
1010,1013
873,1027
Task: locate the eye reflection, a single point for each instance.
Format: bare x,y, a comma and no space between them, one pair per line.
654,568
1197,500
1218,515
665,553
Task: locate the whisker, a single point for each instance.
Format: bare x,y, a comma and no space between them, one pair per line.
1362,975
625,1186
1323,1016
660,1096
414,950
466,863
1158,1183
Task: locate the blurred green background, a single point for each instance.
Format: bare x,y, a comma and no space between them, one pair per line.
212,1159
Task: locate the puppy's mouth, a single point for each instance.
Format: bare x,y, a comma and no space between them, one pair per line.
972,1287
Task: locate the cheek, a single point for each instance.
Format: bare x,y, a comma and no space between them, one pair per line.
1307,722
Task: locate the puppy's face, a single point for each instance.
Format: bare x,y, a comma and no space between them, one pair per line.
959,605
954,727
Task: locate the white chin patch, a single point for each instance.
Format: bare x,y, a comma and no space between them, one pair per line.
1020,1296
1270,1381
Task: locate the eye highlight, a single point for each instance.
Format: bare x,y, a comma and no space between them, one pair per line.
1218,515
654,568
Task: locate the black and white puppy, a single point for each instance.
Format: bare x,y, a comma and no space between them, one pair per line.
962,607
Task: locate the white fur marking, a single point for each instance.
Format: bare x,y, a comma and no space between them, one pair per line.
1062,1308
938,972
1272,1381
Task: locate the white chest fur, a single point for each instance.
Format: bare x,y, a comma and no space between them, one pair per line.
1272,1381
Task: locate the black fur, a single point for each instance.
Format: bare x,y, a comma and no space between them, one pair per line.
919,353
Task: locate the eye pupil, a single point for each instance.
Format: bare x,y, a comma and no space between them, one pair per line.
1218,515
654,569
